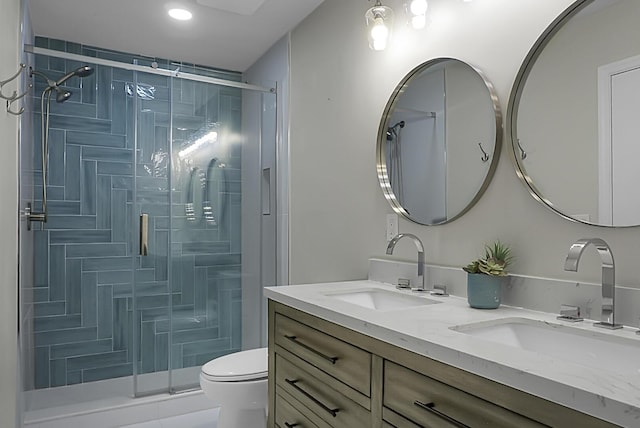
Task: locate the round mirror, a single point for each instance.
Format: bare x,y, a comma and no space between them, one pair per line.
439,141
574,114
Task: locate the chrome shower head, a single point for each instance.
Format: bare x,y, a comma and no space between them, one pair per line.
392,131
83,71
62,95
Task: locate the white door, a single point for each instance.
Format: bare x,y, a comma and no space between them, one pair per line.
625,139
619,142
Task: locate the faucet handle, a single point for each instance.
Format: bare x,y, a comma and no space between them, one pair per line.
439,290
570,313
403,284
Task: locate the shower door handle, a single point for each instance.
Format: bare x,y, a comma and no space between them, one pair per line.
266,191
144,234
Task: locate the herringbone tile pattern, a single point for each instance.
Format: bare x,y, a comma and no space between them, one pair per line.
87,310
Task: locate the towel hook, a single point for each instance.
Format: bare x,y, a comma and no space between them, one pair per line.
485,156
523,154
4,82
11,101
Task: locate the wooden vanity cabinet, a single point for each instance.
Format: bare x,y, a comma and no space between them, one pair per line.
339,359
327,379
324,375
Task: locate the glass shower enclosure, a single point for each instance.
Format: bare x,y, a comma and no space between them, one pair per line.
144,270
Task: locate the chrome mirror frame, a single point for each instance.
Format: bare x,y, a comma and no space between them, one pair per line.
516,151
381,158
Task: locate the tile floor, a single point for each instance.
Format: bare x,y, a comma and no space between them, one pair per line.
202,419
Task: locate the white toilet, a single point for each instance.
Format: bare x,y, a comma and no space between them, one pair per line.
238,384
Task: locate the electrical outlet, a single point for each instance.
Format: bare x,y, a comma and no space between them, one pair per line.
392,226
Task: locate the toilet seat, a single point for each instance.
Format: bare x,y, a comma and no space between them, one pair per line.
239,366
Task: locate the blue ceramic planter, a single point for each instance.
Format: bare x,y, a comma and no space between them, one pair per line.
484,291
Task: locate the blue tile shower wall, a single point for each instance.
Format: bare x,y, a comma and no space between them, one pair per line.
187,291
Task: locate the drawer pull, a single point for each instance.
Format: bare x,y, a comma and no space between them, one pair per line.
288,425
295,340
430,407
332,412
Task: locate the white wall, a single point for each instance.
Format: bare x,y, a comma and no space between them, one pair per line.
338,91
9,52
26,345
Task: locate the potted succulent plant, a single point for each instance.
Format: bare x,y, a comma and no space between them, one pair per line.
486,275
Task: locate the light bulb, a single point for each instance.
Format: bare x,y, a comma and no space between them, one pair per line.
417,13
379,21
379,30
419,21
379,45
379,34
180,14
418,7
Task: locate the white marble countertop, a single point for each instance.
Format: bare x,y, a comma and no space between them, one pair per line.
426,330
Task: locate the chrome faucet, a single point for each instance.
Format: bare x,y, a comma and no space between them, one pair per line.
608,277
420,248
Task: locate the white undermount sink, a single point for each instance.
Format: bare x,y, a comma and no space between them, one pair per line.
586,347
381,300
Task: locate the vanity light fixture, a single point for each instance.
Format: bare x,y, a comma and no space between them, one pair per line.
379,20
180,14
417,11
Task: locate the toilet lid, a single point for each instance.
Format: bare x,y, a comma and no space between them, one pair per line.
245,365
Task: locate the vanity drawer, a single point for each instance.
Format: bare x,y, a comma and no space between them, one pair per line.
289,415
334,408
433,403
345,362
393,420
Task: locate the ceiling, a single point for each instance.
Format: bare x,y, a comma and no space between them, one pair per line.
227,34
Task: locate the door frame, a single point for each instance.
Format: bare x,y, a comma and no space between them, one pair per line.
605,104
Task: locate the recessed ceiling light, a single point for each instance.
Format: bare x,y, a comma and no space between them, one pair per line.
180,14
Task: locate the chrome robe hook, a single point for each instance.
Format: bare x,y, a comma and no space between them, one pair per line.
523,154
485,156
13,96
11,101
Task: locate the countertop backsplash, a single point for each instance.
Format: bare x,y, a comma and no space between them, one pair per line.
538,294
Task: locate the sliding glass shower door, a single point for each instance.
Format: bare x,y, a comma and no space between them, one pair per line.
150,220
189,182
160,230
